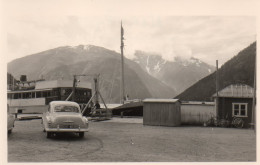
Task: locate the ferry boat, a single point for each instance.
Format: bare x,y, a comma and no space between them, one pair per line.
35,98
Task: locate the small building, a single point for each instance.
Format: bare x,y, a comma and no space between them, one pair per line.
162,112
235,100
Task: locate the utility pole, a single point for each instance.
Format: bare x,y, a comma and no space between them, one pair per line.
253,120
13,82
122,64
96,88
217,99
74,87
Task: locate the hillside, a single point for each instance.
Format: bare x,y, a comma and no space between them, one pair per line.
178,74
64,62
240,69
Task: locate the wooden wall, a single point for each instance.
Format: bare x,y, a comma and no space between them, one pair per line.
225,109
196,114
162,114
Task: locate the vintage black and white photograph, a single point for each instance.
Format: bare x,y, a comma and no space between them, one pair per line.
111,81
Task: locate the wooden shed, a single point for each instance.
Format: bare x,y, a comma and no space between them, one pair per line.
161,112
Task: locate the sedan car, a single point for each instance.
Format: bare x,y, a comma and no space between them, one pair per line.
10,120
64,116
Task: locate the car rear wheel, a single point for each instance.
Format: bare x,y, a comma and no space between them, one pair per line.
81,134
49,134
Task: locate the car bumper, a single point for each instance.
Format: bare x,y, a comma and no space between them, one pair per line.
66,130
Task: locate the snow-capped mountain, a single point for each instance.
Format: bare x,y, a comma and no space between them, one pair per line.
152,63
179,74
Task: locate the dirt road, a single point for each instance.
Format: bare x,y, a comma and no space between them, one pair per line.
119,141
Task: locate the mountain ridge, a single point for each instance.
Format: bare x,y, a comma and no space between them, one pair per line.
238,70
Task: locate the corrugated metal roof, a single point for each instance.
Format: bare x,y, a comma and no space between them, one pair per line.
236,90
197,103
26,91
60,83
160,100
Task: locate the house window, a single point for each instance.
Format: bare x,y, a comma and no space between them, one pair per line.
239,109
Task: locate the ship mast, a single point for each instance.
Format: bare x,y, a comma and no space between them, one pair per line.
122,65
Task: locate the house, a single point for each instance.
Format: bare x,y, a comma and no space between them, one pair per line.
235,100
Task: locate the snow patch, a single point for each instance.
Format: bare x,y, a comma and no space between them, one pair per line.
147,63
164,62
193,61
157,67
87,47
73,47
148,69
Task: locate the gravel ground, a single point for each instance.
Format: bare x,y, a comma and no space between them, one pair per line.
127,140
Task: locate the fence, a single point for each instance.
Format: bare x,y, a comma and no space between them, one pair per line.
196,113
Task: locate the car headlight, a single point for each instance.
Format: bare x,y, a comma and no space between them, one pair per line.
50,122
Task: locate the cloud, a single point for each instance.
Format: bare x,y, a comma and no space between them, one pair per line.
201,37
205,37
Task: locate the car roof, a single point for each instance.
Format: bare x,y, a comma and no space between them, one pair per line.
63,102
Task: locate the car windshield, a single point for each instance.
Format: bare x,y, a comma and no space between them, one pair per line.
66,108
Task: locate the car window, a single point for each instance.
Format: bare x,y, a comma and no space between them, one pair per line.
66,108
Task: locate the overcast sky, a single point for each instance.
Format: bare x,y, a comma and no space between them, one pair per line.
34,27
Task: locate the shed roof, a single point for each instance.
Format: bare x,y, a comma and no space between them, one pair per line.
236,91
160,100
197,103
60,83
